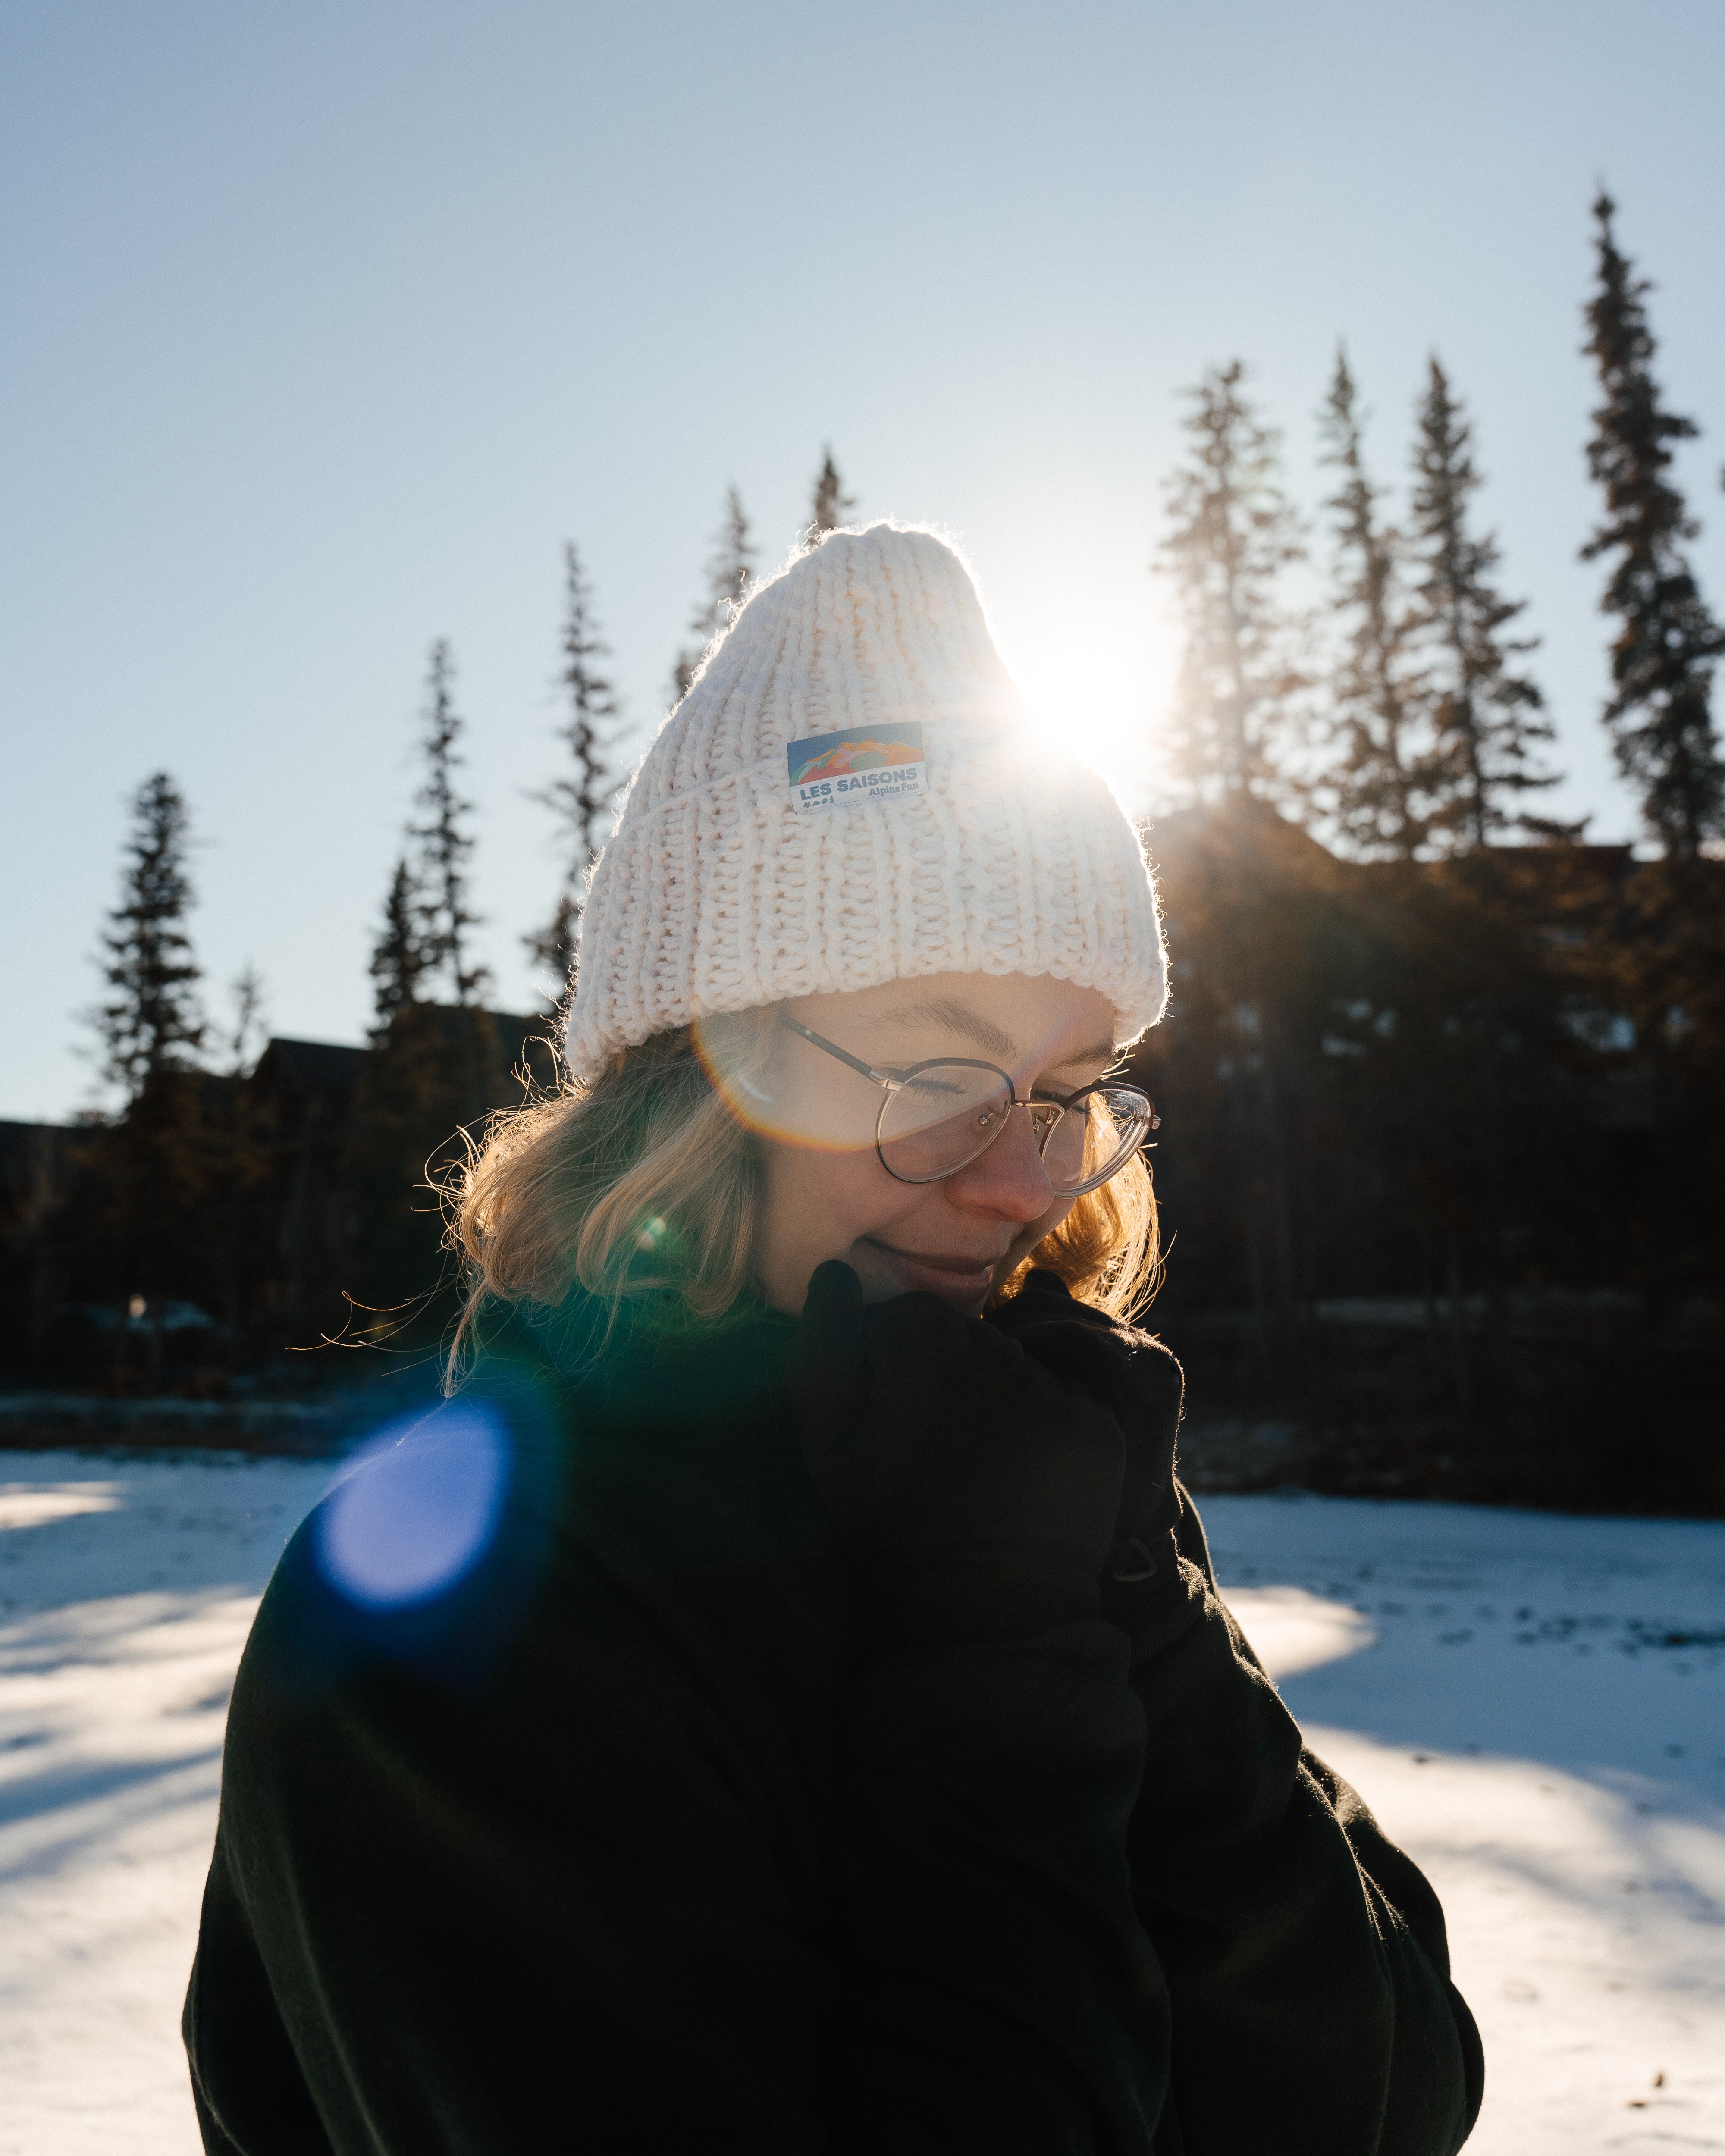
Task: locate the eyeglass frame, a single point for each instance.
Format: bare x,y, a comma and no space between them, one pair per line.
893,1082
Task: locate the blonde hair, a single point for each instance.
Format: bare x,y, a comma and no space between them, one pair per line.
644,1180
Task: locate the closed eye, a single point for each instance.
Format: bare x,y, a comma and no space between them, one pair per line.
928,1085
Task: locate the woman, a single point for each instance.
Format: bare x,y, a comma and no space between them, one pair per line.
782,1701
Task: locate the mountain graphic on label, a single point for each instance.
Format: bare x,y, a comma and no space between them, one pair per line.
840,755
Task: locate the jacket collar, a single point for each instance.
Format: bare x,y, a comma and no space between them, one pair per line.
649,1356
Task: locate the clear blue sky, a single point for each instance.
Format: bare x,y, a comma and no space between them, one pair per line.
324,326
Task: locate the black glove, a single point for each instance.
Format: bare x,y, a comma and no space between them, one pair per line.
945,1454
1141,1383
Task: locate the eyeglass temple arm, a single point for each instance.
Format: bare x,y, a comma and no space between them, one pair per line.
880,1077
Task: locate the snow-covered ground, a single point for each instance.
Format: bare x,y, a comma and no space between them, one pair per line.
1534,1706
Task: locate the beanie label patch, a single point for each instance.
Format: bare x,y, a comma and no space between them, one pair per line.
872,764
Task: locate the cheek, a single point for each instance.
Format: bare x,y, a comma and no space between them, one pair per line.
818,1205
829,1198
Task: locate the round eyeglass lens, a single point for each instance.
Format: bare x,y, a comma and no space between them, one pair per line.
1096,1137
941,1118
946,1114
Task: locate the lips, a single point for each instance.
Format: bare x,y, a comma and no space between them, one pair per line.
958,1276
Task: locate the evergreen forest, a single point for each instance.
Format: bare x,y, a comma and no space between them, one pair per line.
1440,1167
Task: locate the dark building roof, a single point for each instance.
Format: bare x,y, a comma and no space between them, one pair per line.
312,1066
329,1067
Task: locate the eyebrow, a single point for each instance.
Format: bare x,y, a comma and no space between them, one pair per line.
1101,1051
954,1017
951,1016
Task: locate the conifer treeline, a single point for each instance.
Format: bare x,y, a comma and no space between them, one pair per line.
1398,719
153,1023
1399,1055
218,1183
1401,721
425,916
1662,658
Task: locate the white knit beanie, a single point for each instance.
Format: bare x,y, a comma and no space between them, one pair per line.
849,794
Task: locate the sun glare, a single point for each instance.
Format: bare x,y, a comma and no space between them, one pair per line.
1098,696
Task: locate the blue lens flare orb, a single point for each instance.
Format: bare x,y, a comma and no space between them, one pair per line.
414,1509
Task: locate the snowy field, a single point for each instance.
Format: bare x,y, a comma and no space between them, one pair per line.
1535,1706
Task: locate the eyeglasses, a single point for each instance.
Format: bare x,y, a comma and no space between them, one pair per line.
940,1116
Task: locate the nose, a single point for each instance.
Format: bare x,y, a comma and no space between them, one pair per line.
1009,1180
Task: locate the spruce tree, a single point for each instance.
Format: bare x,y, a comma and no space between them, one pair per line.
150,1171
433,1072
445,843
1662,658
1234,533
427,1078
1488,718
832,504
729,571
582,799
399,958
250,1030
151,1022
1375,689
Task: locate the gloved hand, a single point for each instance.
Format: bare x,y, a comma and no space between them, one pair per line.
1138,1380
945,1452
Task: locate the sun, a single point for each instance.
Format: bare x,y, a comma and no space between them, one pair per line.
1100,695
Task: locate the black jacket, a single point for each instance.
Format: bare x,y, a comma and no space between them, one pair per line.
573,1799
